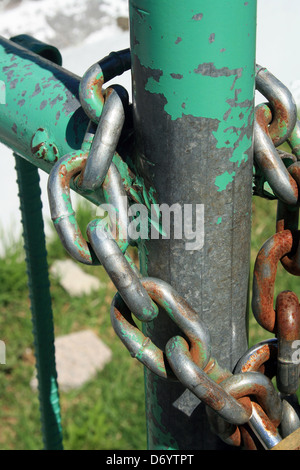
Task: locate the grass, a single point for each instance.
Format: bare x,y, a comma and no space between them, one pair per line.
108,412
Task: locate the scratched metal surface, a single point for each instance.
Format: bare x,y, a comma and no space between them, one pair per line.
197,82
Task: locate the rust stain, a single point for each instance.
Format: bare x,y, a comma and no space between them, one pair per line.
248,441
269,425
257,359
66,175
267,261
263,117
288,316
36,148
281,118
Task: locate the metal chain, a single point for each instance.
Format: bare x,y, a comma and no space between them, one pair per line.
243,407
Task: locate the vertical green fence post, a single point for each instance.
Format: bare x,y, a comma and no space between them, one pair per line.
193,69
40,297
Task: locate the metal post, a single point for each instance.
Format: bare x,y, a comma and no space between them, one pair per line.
40,297
193,68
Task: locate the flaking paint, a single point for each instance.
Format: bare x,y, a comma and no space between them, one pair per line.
218,60
214,83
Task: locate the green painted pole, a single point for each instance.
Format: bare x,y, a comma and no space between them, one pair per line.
41,106
40,297
193,68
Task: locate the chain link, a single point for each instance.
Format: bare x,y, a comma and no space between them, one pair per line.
243,407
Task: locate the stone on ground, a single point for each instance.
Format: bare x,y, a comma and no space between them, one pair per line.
73,279
79,356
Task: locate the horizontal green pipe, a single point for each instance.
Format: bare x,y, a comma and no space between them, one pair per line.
39,102
38,94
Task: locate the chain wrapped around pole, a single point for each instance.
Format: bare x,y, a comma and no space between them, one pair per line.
239,403
243,406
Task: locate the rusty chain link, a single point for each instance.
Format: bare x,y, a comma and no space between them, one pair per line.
243,406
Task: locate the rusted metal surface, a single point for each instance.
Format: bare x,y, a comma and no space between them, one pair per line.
209,392
62,212
268,160
264,276
257,384
288,316
43,148
261,428
274,357
260,358
288,331
284,109
91,93
184,316
294,140
179,311
284,320
266,432
288,218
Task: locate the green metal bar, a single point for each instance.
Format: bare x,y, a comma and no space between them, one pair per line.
41,308
193,65
41,118
39,95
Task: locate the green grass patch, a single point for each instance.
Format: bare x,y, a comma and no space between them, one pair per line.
108,412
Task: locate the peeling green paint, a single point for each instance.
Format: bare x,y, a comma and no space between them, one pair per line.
227,67
223,180
219,221
217,69
239,154
38,93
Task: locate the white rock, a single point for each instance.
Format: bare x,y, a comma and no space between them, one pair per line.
79,356
73,279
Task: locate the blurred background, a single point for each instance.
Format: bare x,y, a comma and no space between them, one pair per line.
106,412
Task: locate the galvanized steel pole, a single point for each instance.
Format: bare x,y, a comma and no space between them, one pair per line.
193,68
